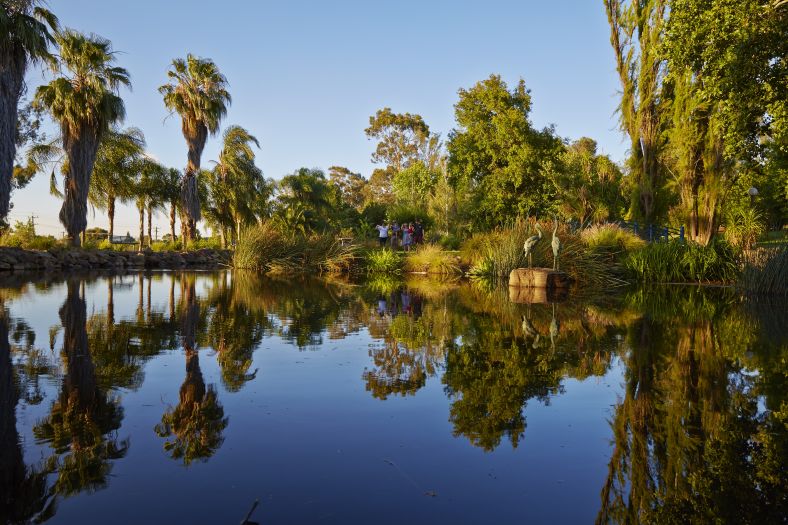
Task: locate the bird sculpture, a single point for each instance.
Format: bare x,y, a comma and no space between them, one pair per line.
530,242
555,327
556,244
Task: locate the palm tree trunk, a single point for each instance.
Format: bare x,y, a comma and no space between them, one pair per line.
141,209
80,149
12,76
150,225
111,215
190,197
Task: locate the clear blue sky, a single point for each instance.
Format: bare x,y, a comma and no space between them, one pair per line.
306,76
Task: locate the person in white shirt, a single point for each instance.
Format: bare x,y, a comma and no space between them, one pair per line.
383,234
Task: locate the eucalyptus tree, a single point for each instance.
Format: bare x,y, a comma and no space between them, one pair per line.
197,91
85,102
238,191
117,160
26,30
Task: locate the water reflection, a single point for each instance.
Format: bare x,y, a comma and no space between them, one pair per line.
699,432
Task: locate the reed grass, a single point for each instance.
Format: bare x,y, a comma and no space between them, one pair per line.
383,261
665,262
765,272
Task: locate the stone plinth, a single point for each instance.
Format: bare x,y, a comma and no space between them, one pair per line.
527,295
539,278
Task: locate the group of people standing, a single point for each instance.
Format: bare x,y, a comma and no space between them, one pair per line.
408,234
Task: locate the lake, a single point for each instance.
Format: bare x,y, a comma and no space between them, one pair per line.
184,397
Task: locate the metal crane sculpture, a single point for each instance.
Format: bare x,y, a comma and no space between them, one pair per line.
556,244
530,242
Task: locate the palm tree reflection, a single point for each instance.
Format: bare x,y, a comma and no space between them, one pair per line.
194,427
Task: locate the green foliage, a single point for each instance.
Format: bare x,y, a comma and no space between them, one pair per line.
496,155
383,261
590,186
23,235
766,272
430,258
675,261
401,137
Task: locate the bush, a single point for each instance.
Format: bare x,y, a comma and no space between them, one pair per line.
683,262
207,243
429,258
450,242
766,272
383,261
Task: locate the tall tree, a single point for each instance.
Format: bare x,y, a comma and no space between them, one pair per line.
170,192
85,102
25,36
147,195
496,154
636,30
727,65
401,137
117,161
306,201
352,186
198,93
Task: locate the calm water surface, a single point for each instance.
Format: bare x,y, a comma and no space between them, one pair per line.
183,398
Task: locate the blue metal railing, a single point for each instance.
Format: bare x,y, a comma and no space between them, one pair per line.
654,232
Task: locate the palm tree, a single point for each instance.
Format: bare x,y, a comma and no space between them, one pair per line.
146,187
236,186
198,93
24,38
170,192
85,102
118,156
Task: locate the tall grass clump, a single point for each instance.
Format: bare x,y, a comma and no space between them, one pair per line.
430,258
665,262
611,238
766,272
265,248
383,262
500,252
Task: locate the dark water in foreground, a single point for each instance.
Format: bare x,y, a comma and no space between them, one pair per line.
182,398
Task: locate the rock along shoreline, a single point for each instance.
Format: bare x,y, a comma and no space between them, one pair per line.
19,259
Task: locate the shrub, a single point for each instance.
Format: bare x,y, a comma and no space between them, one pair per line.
683,262
450,242
429,258
766,272
383,261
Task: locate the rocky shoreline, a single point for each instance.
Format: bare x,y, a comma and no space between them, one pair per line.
18,259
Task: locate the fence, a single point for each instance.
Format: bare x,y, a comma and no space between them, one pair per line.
653,232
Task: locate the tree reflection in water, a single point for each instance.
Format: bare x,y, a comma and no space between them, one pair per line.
699,434
82,424
691,444
194,427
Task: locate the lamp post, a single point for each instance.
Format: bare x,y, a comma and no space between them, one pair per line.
753,192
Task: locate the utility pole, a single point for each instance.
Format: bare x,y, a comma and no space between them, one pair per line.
33,221
156,229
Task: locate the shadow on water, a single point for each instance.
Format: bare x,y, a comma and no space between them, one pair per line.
698,434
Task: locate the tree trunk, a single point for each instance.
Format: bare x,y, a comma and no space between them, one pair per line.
111,215
13,64
150,225
173,210
80,149
190,197
142,226
223,236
